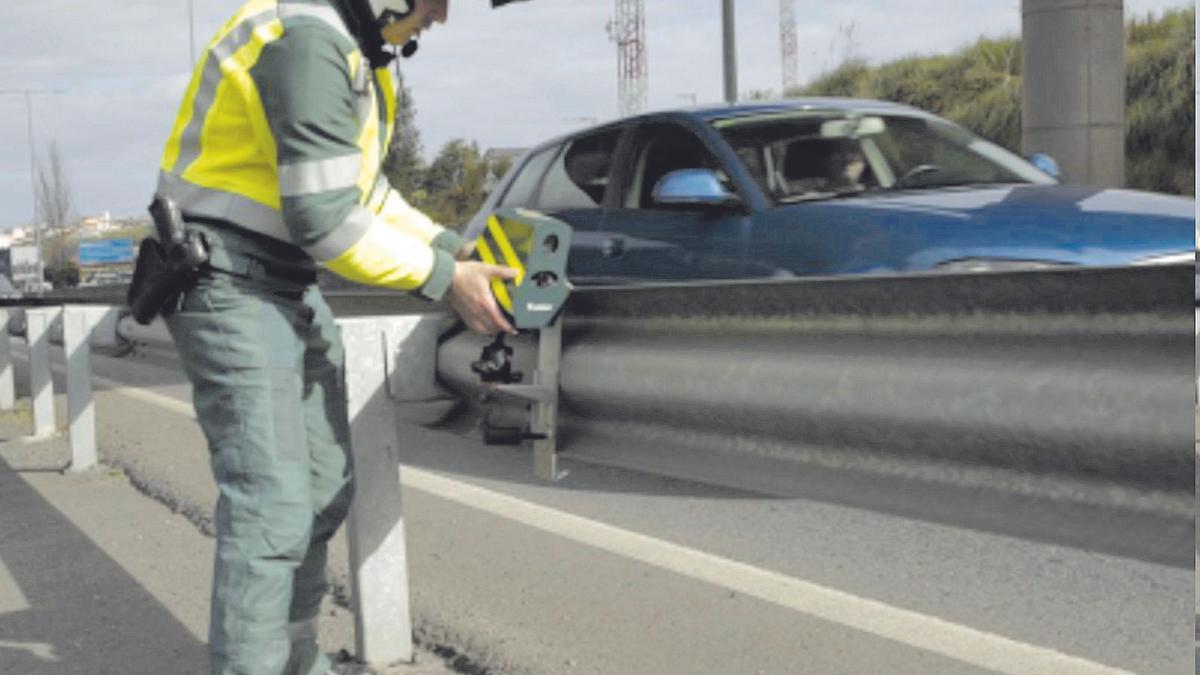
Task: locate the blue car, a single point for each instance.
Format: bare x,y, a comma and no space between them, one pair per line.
822,187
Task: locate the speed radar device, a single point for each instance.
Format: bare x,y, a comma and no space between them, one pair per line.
536,246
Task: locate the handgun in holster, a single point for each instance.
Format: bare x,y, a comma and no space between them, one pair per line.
165,266
536,246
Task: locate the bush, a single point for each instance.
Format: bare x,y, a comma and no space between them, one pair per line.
979,87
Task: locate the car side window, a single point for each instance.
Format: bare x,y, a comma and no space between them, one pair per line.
520,191
663,148
578,177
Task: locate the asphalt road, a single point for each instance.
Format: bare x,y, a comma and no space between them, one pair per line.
615,572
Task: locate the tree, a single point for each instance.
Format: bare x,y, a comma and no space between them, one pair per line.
980,88
54,200
55,206
64,275
456,182
404,165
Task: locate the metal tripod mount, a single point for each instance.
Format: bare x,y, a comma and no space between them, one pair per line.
541,395
536,246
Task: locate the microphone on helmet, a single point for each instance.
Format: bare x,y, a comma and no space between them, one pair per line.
409,48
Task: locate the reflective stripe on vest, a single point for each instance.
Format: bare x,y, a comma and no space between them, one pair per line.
320,175
220,161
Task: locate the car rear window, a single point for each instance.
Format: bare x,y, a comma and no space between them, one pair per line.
520,192
578,178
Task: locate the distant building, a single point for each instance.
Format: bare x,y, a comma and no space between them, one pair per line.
20,265
98,226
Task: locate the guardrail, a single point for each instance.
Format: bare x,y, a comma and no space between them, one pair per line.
1051,372
1074,386
1069,386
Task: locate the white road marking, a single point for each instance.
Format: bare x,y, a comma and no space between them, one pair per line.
139,393
929,633
925,632
11,597
40,650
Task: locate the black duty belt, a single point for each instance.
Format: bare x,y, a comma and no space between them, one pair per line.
240,264
223,258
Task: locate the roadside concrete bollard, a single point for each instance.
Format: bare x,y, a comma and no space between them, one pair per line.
388,359
38,324
8,398
84,326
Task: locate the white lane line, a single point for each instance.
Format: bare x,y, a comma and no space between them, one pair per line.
11,597
928,633
140,393
39,650
174,405
979,648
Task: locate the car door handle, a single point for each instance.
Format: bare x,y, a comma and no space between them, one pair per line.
613,247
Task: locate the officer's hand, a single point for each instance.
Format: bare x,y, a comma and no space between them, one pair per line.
470,295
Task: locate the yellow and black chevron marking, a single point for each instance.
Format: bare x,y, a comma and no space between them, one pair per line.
508,243
536,246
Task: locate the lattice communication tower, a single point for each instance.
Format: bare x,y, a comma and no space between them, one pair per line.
628,30
787,43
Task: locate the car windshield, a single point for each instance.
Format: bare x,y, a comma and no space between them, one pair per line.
808,155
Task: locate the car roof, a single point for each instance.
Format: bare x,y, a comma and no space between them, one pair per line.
712,113
719,112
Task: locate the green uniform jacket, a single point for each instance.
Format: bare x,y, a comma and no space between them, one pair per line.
283,131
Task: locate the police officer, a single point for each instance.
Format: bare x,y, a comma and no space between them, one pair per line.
275,160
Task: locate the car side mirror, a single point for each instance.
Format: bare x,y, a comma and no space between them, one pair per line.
695,188
1046,164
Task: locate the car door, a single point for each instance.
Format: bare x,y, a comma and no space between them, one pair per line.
574,189
645,240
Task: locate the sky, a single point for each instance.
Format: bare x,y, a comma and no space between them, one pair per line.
112,73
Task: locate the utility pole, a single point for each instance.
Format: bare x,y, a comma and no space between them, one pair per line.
191,34
730,44
37,226
788,47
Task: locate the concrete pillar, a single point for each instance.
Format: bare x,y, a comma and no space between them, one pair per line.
388,360
84,326
1073,93
8,397
38,325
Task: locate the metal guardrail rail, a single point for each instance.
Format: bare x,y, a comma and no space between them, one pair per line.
1076,372
1072,386
1081,372
1025,403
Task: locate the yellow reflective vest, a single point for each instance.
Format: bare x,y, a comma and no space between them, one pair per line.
283,131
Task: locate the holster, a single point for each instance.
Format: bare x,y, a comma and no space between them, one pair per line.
157,281
165,267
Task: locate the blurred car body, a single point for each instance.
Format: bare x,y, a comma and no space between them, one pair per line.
822,187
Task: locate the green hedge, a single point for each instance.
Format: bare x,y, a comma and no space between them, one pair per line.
980,88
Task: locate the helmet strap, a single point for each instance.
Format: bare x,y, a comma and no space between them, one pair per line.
366,31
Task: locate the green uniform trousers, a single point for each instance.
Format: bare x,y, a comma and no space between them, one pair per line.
266,366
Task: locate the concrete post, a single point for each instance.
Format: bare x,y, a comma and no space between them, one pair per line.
1073,91
387,359
83,326
8,397
38,323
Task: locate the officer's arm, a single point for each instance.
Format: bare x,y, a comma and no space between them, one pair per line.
304,80
400,214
